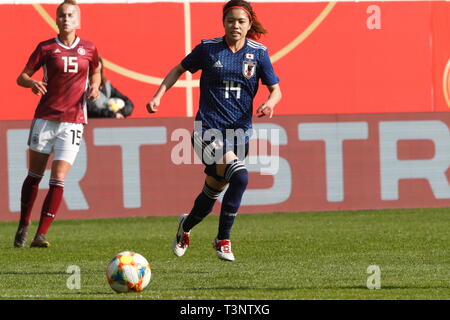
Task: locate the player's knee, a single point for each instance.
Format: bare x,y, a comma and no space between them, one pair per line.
240,179
236,174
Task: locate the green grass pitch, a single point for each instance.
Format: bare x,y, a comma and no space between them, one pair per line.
288,256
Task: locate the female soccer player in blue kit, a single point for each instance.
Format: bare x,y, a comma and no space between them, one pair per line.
231,66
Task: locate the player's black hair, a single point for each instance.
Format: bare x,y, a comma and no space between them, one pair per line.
257,29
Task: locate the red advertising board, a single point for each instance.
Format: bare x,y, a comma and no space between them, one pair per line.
146,167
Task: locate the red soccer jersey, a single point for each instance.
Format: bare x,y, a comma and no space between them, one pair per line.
66,72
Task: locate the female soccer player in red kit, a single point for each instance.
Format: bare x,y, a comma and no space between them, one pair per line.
71,74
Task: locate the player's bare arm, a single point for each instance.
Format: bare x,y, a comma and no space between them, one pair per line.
25,80
168,82
267,107
95,80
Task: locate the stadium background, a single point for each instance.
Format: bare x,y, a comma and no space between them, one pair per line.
373,75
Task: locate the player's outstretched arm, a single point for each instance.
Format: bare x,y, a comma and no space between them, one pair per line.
267,107
25,80
95,80
168,82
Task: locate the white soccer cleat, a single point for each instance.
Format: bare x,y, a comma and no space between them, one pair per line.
223,249
181,241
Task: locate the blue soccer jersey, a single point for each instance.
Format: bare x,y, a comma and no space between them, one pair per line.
229,82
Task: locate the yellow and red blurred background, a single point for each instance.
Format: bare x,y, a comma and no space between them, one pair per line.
340,65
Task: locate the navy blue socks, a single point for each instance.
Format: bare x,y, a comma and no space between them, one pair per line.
203,205
237,176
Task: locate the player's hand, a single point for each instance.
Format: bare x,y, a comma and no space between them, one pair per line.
39,88
152,105
118,115
265,109
93,93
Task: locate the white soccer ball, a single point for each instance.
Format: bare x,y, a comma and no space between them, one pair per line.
115,104
128,272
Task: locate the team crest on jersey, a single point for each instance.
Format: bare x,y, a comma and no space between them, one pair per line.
249,69
81,51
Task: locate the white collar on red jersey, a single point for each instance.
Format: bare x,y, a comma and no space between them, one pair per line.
74,44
